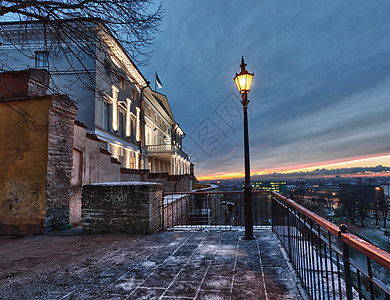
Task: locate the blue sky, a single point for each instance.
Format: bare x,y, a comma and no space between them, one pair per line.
321,90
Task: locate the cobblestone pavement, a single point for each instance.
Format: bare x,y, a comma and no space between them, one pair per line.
165,265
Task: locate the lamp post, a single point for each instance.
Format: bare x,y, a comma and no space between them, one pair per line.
243,81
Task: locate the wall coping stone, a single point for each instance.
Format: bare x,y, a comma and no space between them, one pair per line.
80,124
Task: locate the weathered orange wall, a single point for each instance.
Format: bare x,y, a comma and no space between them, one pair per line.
23,165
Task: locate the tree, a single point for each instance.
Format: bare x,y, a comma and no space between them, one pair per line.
132,22
73,30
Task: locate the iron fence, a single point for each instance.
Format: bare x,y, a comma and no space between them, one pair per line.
331,263
216,209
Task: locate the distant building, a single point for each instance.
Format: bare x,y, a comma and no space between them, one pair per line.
364,193
274,186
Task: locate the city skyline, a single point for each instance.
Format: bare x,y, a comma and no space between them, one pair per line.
319,94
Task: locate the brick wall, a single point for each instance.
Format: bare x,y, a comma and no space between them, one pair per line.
126,207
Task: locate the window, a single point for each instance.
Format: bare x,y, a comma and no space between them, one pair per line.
121,156
122,83
122,126
106,115
132,160
77,168
149,113
132,135
107,66
132,94
42,59
155,117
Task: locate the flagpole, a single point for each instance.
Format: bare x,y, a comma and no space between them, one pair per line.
155,81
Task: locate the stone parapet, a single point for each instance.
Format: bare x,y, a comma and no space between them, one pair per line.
127,207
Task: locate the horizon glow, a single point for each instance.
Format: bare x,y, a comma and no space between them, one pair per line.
383,160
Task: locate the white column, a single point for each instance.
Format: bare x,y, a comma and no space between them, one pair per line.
172,169
138,125
115,92
136,160
128,129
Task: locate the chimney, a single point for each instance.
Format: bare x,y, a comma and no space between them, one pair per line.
24,84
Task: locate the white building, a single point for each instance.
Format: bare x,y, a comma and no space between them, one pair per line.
114,100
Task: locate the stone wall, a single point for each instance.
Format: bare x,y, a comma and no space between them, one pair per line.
62,114
36,138
134,175
172,183
128,207
179,183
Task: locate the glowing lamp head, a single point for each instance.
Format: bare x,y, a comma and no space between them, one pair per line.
243,80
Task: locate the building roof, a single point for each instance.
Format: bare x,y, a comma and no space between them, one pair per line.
106,35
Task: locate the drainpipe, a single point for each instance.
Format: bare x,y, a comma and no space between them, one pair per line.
142,122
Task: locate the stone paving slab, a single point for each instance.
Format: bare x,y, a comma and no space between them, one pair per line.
165,265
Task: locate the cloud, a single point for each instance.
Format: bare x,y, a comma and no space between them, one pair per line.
322,72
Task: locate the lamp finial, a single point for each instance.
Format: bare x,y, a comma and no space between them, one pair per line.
243,65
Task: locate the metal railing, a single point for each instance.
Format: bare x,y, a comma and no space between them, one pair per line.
331,263
217,209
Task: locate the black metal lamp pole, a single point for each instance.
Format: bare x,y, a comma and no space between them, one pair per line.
244,81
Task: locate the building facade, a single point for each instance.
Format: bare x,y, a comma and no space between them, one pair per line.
274,186
114,100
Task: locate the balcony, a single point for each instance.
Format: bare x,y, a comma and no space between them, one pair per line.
330,262
165,150
296,255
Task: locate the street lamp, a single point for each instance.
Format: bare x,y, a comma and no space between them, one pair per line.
243,81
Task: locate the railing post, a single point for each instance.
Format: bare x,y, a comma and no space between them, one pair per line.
273,213
347,265
288,231
162,213
369,269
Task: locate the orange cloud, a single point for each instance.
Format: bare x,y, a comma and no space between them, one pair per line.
334,164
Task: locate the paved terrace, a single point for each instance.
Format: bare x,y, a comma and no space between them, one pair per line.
166,265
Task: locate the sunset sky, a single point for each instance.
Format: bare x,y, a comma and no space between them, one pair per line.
321,90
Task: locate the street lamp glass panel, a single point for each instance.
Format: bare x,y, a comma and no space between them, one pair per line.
243,82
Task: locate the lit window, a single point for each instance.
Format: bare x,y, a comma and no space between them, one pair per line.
121,155
132,94
42,59
122,83
132,160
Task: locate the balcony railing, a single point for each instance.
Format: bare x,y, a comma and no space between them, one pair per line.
331,263
166,149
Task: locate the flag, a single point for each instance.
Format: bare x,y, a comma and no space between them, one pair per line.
158,81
